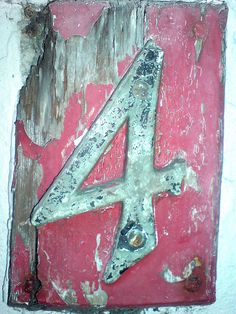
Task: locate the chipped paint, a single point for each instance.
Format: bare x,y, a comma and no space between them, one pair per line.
134,99
198,216
76,82
198,48
196,262
67,295
96,298
52,86
168,276
191,180
98,260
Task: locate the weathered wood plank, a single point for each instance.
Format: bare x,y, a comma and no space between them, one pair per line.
63,95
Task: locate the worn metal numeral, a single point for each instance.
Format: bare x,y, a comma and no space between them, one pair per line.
134,100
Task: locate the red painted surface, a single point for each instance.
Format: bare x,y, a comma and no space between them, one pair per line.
70,19
189,124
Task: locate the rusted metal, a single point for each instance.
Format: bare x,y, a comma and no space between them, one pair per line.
192,283
136,238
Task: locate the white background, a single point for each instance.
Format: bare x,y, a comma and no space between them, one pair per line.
10,84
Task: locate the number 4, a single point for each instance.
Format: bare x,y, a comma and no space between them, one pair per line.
135,100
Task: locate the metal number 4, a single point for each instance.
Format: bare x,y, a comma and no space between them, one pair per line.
134,100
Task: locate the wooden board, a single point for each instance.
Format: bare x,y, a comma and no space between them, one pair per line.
87,50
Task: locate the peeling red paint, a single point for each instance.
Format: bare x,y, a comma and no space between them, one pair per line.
71,18
189,118
50,157
77,245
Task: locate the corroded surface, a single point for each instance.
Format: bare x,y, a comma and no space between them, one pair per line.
134,99
57,111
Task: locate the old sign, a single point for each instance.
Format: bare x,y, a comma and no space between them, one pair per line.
118,155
